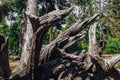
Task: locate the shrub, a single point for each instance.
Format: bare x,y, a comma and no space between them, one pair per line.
112,45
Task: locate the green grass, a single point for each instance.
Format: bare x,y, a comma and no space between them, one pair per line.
117,65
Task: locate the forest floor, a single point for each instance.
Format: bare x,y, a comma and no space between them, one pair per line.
14,62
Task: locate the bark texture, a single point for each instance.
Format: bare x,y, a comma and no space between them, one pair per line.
27,31
44,23
52,61
5,70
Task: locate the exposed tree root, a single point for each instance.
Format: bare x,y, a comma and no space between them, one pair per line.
54,62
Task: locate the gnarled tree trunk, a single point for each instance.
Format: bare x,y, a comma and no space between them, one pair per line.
43,23
26,30
53,62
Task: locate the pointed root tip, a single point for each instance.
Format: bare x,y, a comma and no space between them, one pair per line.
70,9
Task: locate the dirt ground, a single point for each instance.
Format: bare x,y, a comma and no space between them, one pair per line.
14,62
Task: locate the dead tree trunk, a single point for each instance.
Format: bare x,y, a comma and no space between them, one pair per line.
5,70
52,61
43,23
27,30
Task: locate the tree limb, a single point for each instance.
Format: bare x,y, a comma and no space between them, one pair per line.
69,36
111,61
41,25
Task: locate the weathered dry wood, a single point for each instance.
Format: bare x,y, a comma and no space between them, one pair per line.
27,31
5,70
111,61
72,35
22,31
104,66
49,18
53,62
67,38
47,21
92,40
75,29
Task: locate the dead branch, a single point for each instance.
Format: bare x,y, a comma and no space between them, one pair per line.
65,38
42,24
53,59
111,61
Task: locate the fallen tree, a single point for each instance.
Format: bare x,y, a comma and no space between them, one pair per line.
53,62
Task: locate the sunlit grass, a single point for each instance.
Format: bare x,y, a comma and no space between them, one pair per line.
117,65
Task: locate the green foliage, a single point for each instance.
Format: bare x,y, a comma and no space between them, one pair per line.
18,5
12,32
14,37
113,17
117,65
79,46
4,8
51,34
112,45
50,5
83,44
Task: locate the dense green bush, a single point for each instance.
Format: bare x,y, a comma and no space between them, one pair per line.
14,37
112,45
12,32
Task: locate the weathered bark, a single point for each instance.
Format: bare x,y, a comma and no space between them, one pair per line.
43,23
66,39
5,70
52,61
26,34
92,39
27,31
22,32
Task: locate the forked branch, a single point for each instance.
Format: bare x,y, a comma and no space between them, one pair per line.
68,37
